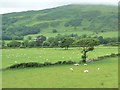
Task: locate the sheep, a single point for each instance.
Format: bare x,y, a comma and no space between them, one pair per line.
86,71
76,64
85,64
107,54
98,68
71,69
46,59
15,61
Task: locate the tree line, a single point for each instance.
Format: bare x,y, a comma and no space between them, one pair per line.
63,41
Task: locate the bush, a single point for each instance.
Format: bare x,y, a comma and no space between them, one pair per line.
64,62
59,62
113,54
70,62
54,31
47,63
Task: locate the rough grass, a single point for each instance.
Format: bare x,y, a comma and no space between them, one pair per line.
63,77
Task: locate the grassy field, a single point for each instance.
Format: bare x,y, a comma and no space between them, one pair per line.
112,34
60,76
63,77
10,56
67,31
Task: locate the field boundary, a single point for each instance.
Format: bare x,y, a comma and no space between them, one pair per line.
36,64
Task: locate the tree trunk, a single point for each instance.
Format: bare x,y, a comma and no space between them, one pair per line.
84,56
67,47
84,60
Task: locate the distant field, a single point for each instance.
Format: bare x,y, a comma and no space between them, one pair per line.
10,56
63,77
111,34
50,34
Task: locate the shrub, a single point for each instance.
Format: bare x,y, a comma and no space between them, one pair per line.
113,54
59,62
47,63
54,31
70,62
64,62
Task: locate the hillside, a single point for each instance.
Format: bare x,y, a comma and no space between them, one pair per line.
68,19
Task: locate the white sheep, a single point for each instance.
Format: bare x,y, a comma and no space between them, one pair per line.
15,61
98,68
71,69
76,64
86,71
85,64
46,59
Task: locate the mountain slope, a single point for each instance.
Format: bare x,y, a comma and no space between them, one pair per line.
65,19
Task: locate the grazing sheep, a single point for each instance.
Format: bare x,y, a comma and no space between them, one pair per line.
76,64
98,68
46,59
107,54
15,61
86,71
85,64
71,69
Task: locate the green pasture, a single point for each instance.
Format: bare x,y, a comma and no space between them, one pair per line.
60,76
63,31
112,34
63,77
12,56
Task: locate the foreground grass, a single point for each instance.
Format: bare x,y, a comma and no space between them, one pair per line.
10,56
63,77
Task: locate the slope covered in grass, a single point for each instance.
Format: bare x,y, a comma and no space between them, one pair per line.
68,19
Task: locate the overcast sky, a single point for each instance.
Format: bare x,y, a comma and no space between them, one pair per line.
7,6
